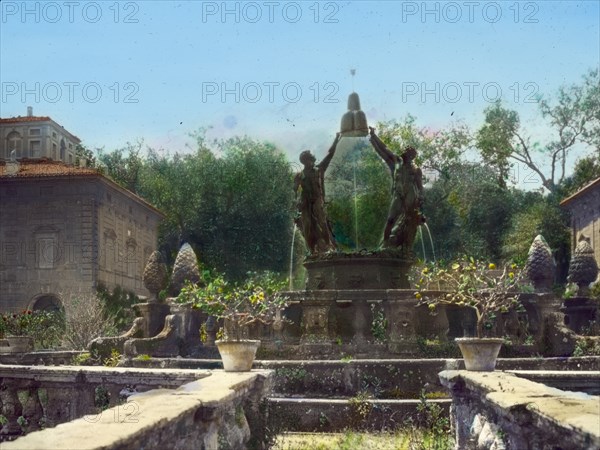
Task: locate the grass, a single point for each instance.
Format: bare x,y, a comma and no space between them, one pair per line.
401,440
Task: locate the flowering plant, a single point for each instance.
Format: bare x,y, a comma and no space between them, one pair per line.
471,284
17,324
256,300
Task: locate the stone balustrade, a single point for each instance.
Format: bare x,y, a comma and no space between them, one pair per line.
222,410
501,410
32,397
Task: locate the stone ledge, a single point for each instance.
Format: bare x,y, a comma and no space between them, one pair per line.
190,417
97,374
526,413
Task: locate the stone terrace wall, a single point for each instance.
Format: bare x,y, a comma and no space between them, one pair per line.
219,411
48,396
500,410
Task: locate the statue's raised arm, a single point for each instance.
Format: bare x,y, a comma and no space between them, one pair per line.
324,164
385,153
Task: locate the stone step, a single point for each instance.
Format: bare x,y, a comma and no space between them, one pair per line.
333,415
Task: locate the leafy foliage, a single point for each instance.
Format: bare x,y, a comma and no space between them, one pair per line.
471,284
257,299
232,202
118,305
574,114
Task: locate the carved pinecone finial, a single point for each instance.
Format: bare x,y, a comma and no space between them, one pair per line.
540,264
155,274
583,268
184,269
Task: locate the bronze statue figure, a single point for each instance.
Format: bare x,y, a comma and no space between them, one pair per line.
311,218
404,215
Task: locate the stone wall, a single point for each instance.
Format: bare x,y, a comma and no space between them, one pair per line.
584,207
66,234
500,410
218,411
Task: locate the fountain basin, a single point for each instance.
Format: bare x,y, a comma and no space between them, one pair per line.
358,271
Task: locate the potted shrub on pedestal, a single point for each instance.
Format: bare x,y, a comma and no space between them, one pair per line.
477,285
256,300
16,328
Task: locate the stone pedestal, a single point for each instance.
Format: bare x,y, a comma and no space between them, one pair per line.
579,312
154,317
315,317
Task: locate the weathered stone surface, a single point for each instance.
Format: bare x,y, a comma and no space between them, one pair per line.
583,269
155,274
530,415
540,264
165,343
200,414
103,346
184,269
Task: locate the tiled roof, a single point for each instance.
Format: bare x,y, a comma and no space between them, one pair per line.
45,168
25,119
587,188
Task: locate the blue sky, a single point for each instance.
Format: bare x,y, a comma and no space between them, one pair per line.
112,72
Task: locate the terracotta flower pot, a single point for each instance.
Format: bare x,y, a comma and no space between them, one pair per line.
480,354
237,356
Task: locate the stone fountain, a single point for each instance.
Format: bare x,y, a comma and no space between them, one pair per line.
342,290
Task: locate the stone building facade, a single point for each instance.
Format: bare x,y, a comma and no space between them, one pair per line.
36,137
66,229
584,206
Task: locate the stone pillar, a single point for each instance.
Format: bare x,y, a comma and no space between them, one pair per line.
361,322
33,411
400,310
315,321
59,406
189,330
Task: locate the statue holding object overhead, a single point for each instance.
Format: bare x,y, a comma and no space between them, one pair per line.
405,214
310,185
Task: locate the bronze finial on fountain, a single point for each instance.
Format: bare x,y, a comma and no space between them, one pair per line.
309,186
404,215
354,121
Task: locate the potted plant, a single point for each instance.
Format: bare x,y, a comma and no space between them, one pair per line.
473,284
16,327
256,300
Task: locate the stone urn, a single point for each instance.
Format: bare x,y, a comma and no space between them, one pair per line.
480,354
237,356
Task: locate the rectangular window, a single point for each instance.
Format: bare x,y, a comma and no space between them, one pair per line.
35,149
47,252
35,132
